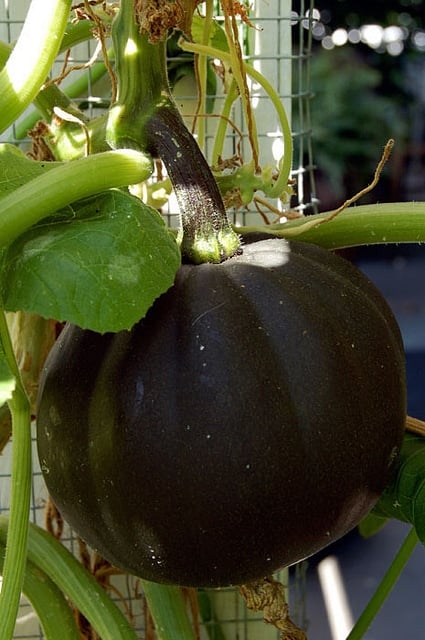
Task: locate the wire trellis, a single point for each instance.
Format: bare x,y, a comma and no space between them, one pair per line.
280,47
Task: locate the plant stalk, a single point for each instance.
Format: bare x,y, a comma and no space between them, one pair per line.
32,57
169,612
68,140
141,81
74,34
48,602
280,186
206,235
47,193
384,588
368,224
51,96
49,555
20,493
201,63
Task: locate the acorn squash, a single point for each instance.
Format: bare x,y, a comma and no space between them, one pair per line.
250,419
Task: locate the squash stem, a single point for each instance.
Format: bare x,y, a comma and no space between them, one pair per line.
145,116
384,588
206,234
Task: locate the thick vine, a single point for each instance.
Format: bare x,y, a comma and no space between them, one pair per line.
145,117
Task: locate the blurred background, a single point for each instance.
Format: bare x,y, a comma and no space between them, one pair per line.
368,84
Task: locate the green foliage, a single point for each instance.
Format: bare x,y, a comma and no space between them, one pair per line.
351,120
100,266
16,168
372,524
404,498
99,262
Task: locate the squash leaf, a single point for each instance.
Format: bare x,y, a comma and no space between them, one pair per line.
100,267
16,168
217,37
404,497
371,524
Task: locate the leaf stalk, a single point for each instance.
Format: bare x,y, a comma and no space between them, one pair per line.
20,493
49,555
23,75
369,224
390,578
72,181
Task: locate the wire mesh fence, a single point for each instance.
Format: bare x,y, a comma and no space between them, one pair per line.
279,47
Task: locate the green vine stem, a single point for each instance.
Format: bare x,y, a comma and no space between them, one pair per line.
20,493
49,555
142,81
68,138
48,602
5,51
75,33
52,96
220,135
24,72
385,586
69,182
209,616
201,75
169,611
280,186
367,224
239,74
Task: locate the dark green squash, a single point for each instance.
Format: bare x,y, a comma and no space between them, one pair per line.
252,418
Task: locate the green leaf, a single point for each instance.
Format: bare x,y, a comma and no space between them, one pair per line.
101,268
404,498
371,524
217,37
17,169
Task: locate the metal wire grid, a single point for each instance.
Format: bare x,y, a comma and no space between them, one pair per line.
302,128
276,24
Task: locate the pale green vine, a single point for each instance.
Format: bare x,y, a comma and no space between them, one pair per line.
20,493
23,75
277,188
